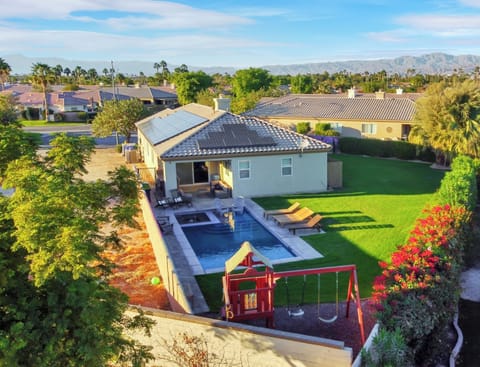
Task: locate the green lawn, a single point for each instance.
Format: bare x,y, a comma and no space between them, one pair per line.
364,222
49,123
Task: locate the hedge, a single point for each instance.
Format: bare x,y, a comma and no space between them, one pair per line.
385,148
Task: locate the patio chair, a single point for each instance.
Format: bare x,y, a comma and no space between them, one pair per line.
312,223
164,223
220,210
238,205
298,216
162,202
292,208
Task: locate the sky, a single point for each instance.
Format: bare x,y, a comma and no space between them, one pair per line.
237,33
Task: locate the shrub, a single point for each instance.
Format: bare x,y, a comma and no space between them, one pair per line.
58,116
417,291
459,186
303,127
388,349
385,148
82,116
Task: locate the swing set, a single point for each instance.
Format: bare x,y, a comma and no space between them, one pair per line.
250,294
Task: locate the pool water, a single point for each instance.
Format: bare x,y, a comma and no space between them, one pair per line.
215,243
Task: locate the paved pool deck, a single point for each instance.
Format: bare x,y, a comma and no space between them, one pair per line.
185,256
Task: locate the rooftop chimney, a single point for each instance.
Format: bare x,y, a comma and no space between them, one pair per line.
380,95
399,91
352,92
222,103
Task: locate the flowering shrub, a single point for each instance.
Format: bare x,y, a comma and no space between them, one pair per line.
417,291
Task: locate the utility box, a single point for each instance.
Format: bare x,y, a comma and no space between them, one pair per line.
334,173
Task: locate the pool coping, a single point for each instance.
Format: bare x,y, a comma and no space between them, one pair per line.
301,249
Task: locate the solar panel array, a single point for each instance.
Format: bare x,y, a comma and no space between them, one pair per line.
234,135
160,129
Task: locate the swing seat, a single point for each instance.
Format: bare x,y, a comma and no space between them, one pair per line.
296,313
328,321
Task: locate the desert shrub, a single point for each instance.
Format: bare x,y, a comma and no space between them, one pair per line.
325,129
303,127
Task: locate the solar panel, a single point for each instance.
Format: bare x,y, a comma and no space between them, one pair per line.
234,136
159,129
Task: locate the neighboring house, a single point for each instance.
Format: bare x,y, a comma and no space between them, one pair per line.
380,115
87,99
192,145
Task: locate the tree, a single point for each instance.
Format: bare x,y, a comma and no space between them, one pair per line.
67,72
58,70
118,116
249,80
156,66
5,70
181,69
189,84
448,119
42,75
14,143
246,102
92,74
57,306
302,84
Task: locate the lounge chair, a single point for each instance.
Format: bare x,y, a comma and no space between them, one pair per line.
178,199
162,202
298,216
312,223
164,224
292,208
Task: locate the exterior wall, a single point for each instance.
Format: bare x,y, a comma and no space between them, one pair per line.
385,129
242,344
309,174
148,154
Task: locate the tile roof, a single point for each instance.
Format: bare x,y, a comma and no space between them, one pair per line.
337,108
276,140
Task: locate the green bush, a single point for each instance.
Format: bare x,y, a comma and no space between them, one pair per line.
82,116
303,127
385,148
388,349
58,116
320,128
459,186
118,148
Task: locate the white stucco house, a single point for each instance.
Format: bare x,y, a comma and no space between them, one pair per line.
193,146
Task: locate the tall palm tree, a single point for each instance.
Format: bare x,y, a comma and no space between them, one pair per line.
5,70
67,72
157,66
42,75
92,74
58,70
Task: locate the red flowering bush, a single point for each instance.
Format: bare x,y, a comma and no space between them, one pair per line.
417,291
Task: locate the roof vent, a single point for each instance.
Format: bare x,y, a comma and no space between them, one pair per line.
380,95
399,91
352,93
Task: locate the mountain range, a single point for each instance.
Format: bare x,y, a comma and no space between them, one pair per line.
434,63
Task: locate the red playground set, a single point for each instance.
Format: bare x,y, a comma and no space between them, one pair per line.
258,300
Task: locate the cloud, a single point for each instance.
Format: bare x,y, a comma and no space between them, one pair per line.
128,14
84,44
442,25
394,36
472,3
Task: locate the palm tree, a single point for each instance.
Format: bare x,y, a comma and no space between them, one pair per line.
58,70
42,75
157,66
105,72
5,70
92,74
67,72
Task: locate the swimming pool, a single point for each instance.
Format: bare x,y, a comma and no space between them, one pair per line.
214,243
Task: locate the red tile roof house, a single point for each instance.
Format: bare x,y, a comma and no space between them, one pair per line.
88,99
192,145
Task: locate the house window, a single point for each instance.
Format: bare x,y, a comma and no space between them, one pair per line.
287,166
244,169
369,128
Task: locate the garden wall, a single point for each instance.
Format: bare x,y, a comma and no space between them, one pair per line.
241,344
184,294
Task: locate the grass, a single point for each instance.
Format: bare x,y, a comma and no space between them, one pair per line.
364,222
49,123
